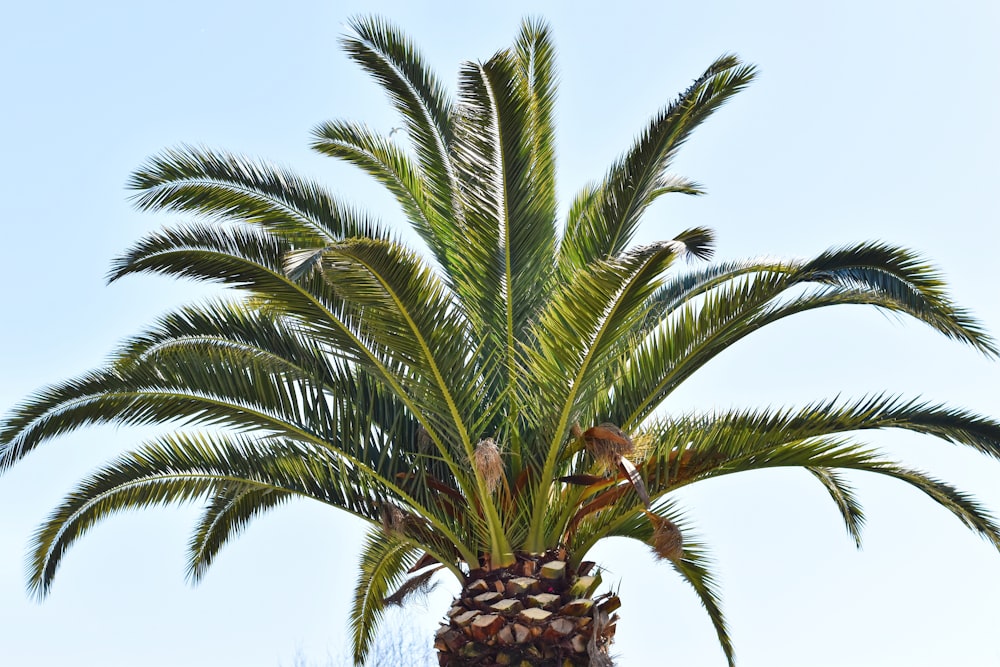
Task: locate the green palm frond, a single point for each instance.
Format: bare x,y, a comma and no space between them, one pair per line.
230,323
506,254
847,503
384,562
906,281
409,311
238,257
494,153
634,181
392,167
422,102
182,469
223,186
691,448
253,261
351,418
694,567
579,333
736,454
186,467
581,328
109,396
693,319
230,509
535,54
963,506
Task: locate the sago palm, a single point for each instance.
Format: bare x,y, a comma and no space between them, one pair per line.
494,406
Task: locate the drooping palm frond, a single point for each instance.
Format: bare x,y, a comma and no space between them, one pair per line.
228,512
689,448
694,567
186,468
845,499
906,281
963,506
384,562
694,318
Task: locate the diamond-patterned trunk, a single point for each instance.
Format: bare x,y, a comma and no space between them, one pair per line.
535,613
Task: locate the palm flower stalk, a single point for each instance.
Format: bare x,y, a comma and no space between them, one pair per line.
494,405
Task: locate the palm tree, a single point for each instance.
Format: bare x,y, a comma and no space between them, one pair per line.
494,407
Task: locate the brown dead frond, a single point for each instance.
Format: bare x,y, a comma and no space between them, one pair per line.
419,586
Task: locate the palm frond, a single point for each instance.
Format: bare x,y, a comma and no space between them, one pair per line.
845,499
695,567
604,229
392,167
384,562
354,420
230,509
506,255
535,54
689,448
408,309
407,303
963,506
185,467
223,186
242,258
906,280
682,333
252,260
424,105
580,332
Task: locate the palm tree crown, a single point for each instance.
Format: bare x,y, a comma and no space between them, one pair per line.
496,399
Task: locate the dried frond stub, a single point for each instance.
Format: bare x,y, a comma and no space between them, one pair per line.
486,460
667,541
607,443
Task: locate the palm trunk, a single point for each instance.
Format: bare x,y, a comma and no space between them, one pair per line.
535,613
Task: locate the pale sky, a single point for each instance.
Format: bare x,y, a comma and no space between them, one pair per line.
870,120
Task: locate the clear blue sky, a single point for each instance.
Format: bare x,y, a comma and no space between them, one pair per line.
870,120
